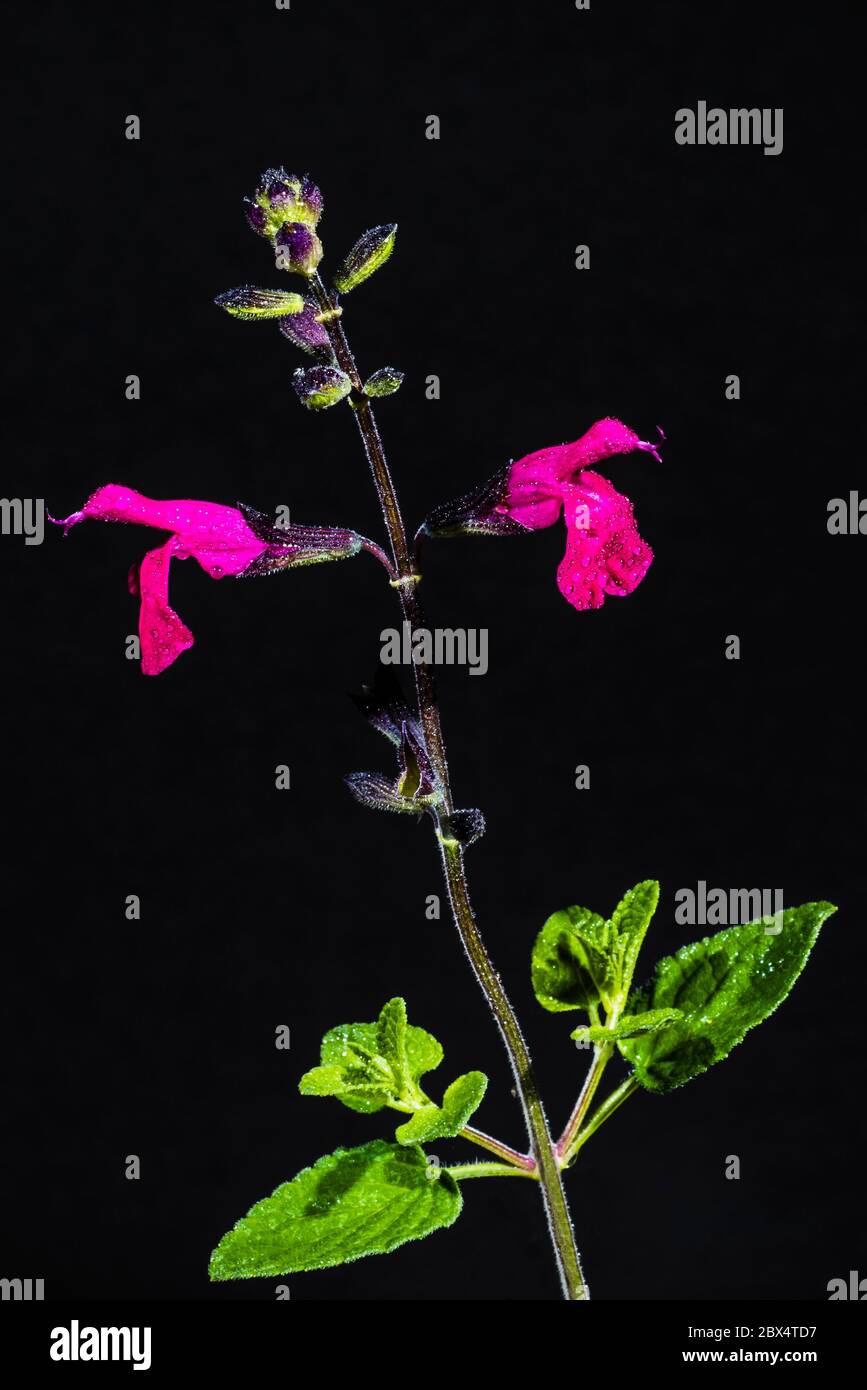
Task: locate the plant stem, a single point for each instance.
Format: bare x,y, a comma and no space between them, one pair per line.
525,1162
554,1197
601,1057
600,1115
496,1146
380,554
487,1170
547,1162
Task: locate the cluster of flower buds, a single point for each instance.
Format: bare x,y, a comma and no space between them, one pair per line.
285,210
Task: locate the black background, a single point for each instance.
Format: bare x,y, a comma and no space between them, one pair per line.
262,907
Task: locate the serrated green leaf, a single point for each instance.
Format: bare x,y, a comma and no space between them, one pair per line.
725,985
391,1042
366,1066
628,1026
630,920
356,1087
250,302
460,1101
572,962
355,1202
581,961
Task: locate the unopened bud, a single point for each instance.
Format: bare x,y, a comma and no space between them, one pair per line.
297,248
321,387
251,302
305,329
370,252
384,382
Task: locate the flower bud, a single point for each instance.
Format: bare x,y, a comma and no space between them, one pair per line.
305,329
462,827
321,387
384,382
256,216
297,248
370,252
251,302
282,197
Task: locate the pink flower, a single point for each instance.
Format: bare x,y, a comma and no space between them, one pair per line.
226,541
605,555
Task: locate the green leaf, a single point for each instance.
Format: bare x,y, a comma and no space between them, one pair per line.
370,1065
249,302
629,1026
725,985
391,1042
630,920
580,960
367,255
572,962
460,1101
384,382
354,1202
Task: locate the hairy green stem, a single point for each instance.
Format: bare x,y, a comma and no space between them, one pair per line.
496,1146
550,1178
487,1170
601,1114
525,1162
601,1058
543,1151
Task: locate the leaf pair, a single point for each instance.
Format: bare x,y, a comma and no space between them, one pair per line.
700,1003
580,960
369,1066
371,1199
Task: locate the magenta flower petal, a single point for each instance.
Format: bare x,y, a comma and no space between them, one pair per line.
547,469
162,633
217,537
532,505
602,440
536,482
605,555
